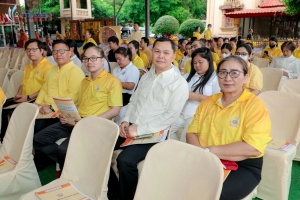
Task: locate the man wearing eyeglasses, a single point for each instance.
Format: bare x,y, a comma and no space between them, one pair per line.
100,95
63,81
33,79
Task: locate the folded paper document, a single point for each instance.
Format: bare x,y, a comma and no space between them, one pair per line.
67,108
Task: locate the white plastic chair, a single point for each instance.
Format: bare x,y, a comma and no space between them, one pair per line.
284,111
4,78
202,177
261,62
88,158
4,62
17,144
271,78
113,65
14,84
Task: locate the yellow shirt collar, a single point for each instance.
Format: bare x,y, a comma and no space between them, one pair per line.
103,73
40,63
244,96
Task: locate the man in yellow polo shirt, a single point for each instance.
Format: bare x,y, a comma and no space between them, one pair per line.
208,32
2,96
34,77
63,81
100,95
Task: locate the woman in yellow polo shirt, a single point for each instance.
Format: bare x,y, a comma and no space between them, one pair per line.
226,50
197,33
88,37
255,78
2,97
134,46
235,126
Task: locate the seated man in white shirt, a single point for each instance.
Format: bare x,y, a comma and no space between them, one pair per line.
155,105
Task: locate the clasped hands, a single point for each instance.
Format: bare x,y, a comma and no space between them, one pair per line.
128,131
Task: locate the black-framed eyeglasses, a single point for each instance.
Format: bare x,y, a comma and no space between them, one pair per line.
232,74
92,59
31,49
61,51
241,54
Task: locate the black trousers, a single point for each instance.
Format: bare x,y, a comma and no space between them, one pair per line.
242,182
6,114
127,165
44,140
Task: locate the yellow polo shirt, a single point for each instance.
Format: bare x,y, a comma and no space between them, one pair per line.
274,52
215,57
208,34
178,54
296,53
197,35
188,67
144,57
233,51
35,77
218,51
2,97
148,52
246,119
61,83
90,40
255,78
138,62
97,96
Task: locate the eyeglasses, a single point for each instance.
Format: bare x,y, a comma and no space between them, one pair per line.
243,54
232,74
61,51
92,59
31,49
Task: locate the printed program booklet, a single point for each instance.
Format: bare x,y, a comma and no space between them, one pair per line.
280,145
67,108
6,163
65,191
147,139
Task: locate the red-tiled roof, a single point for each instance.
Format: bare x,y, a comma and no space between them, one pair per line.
271,3
258,12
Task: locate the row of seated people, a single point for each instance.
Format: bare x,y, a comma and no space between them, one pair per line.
234,124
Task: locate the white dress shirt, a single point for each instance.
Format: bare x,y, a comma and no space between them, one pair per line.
130,73
173,66
290,65
210,88
157,101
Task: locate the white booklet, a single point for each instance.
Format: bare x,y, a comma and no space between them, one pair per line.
280,145
65,191
67,108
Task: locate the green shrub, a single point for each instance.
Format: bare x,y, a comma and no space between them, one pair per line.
187,28
166,25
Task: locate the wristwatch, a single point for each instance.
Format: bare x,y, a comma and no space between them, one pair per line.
207,149
28,98
51,108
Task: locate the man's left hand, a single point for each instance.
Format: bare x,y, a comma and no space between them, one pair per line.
132,131
22,99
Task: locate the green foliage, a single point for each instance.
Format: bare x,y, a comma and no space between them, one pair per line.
102,9
292,6
188,27
166,25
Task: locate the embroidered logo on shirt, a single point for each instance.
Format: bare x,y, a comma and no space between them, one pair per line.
97,88
124,73
37,72
234,122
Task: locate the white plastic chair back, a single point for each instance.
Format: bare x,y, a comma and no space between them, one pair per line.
113,65
17,144
271,78
4,62
176,170
14,84
261,62
3,78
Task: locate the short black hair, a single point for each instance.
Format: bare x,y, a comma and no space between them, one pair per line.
113,39
290,45
146,40
246,46
273,39
226,46
87,45
124,52
55,42
137,23
164,39
233,39
47,48
39,43
193,39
